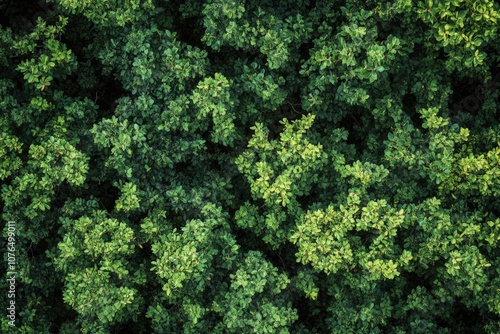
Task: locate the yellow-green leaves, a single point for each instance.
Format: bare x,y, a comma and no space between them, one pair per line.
10,148
185,258
253,302
279,177
461,28
93,257
212,96
55,60
321,239
329,239
128,199
59,161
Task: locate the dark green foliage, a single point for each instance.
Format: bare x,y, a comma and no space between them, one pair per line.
232,166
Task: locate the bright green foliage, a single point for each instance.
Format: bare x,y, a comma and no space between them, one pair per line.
99,281
212,96
253,303
232,166
279,174
189,256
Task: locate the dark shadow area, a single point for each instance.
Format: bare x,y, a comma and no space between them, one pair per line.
107,194
463,320
409,103
64,312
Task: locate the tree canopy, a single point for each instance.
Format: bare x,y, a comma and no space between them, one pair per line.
232,166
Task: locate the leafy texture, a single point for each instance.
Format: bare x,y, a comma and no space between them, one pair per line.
232,166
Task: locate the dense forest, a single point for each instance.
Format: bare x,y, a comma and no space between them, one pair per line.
232,166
